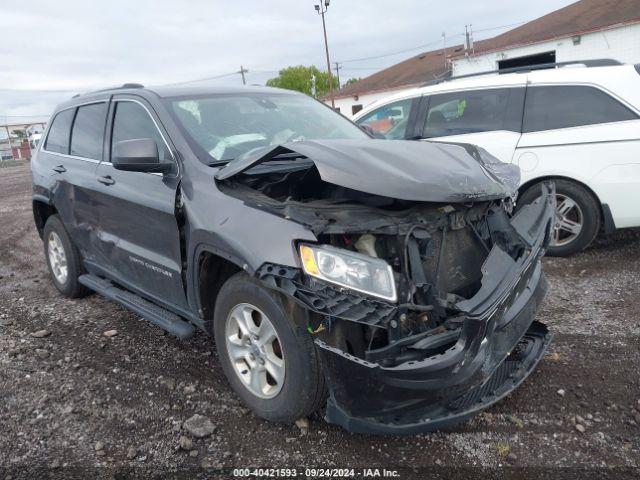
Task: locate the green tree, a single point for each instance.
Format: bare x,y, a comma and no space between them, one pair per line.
301,79
352,80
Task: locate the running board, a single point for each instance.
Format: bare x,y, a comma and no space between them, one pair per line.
159,316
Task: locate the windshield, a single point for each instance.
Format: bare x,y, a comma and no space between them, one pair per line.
223,127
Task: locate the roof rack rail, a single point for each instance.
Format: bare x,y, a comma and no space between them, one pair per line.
599,62
123,86
132,85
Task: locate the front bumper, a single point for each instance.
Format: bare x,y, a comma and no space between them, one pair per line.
498,347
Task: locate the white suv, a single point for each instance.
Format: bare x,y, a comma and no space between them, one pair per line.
578,124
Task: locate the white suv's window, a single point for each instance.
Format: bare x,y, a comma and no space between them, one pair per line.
563,106
474,111
389,120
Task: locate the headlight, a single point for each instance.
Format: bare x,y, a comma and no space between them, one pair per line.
348,269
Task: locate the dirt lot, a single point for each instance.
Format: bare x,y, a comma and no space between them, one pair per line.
77,403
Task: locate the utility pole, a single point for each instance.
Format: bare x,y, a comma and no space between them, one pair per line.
321,9
338,67
444,49
242,71
9,139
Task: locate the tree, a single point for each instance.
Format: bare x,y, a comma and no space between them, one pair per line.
352,80
301,79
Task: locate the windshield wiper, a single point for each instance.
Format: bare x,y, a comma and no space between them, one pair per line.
286,156
217,163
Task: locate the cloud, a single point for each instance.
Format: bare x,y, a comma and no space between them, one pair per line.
73,45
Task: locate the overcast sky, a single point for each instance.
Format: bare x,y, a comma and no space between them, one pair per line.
50,50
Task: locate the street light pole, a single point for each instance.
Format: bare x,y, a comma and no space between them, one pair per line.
321,9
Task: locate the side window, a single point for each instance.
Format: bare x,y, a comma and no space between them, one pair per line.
131,120
551,107
60,131
474,111
390,120
87,134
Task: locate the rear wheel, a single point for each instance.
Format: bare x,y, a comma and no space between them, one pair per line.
63,259
577,217
269,360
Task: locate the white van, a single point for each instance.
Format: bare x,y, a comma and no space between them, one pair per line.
578,124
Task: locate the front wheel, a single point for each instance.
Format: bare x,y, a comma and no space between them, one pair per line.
269,360
577,217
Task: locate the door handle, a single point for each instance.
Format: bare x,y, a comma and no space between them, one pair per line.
59,169
106,180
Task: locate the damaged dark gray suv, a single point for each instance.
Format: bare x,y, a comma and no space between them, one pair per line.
388,280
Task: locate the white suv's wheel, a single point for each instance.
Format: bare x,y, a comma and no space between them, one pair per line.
569,221
577,217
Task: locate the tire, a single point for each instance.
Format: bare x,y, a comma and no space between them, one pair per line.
585,212
303,389
58,246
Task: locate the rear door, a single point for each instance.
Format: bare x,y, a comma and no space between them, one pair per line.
490,118
70,156
138,230
585,133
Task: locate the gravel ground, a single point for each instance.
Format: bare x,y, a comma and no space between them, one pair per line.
75,402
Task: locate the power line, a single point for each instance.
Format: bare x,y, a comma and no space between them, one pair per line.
500,27
391,54
430,43
243,71
215,77
26,90
25,116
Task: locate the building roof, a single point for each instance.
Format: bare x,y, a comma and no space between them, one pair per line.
581,17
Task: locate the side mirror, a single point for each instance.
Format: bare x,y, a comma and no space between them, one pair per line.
139,155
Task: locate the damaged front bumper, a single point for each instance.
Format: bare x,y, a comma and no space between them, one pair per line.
498,344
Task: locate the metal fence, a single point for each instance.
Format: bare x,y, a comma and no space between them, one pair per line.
17,141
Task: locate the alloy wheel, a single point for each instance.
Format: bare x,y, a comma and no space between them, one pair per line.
569,221
57,258
255,350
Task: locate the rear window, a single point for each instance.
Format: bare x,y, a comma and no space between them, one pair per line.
474,111
60,131
564,106
87,135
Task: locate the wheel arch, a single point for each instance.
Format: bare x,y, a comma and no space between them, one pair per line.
42,210
213,270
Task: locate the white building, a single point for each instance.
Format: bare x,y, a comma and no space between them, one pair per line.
585,30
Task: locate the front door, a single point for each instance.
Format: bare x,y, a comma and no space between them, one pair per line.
139,238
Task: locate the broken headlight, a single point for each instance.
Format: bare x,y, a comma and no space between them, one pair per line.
362,273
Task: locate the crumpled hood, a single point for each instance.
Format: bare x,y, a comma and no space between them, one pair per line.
401,169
